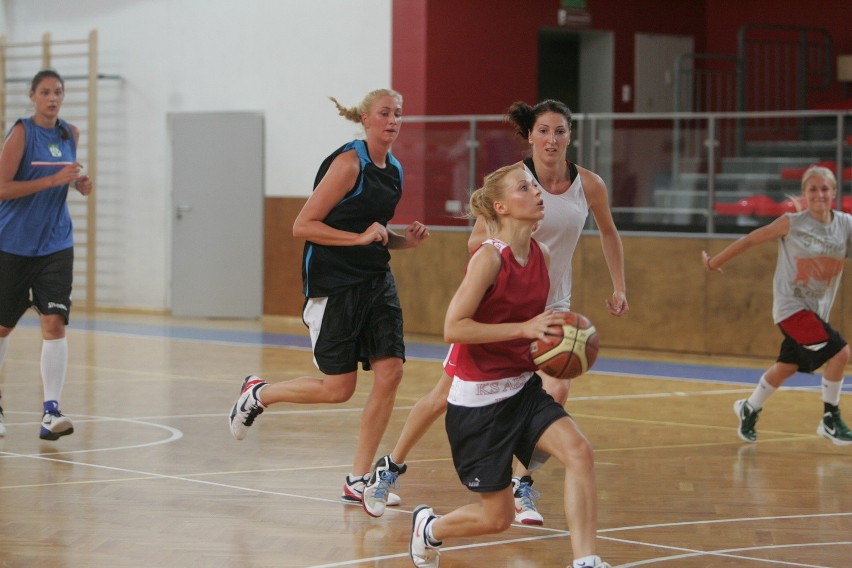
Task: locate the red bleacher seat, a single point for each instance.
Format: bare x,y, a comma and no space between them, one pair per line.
765,206
757,205
741,207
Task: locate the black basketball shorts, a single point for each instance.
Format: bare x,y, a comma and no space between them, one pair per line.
40,281
362,323
483,439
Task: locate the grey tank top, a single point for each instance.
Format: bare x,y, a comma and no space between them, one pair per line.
810,264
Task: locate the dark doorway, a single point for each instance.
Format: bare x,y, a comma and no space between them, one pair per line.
559,67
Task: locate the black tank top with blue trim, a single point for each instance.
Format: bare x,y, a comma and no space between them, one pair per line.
328,270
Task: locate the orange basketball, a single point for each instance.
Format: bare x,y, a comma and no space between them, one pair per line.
571,352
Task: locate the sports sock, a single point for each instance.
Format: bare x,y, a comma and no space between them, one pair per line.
762,391
54,365
831,391
428,534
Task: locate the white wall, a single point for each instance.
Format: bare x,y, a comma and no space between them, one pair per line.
280,57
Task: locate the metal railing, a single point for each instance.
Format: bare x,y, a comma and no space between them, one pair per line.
658,177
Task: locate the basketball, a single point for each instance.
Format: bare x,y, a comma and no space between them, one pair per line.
572,352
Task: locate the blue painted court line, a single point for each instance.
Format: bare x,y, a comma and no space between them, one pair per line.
433,352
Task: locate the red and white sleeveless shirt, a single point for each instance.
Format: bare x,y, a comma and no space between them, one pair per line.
486,373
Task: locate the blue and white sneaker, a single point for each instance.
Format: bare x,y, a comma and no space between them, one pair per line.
353,491
378,485
526,512
54,425
248,406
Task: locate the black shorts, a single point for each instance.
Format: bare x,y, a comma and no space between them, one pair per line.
40,281
357,325
483,439
808,341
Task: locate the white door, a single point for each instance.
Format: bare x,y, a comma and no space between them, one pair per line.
655,57
217,214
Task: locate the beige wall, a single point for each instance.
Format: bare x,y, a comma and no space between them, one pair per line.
674,304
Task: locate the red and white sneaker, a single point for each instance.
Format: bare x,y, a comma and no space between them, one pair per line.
248,406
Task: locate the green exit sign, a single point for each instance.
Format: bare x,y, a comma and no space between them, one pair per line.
576,4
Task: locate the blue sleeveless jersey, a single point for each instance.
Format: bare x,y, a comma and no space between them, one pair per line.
328,270
39,224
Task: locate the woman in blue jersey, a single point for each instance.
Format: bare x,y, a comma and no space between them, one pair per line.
570,192
37,165
497,407
812,247
352,308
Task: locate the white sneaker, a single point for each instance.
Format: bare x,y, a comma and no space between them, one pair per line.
598,563
54,425
378,485
423,554
525,510
353,491
248,406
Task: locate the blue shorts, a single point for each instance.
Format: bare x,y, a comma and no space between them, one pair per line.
43,282
359,324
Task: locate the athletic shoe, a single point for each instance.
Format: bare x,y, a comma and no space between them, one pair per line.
378,485
525,495
2,426
748,419
423,553
353,491
598,564
248,406
54,425
833,428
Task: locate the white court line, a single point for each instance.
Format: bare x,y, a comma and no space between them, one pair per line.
175,435
726,553
552,533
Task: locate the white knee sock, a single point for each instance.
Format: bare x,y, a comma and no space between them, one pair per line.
762,391
831,391
54,364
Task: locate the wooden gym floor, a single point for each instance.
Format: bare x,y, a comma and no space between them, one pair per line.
152,477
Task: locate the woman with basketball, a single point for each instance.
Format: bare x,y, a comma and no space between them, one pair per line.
812,247
352,308
569,192
37,165
497,406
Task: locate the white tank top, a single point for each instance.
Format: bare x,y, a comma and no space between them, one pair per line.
564,218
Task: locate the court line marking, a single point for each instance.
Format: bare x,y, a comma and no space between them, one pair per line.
635,375
553,532
174,436
726,553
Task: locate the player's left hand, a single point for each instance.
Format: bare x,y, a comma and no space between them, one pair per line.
617,304
416,233
83,184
